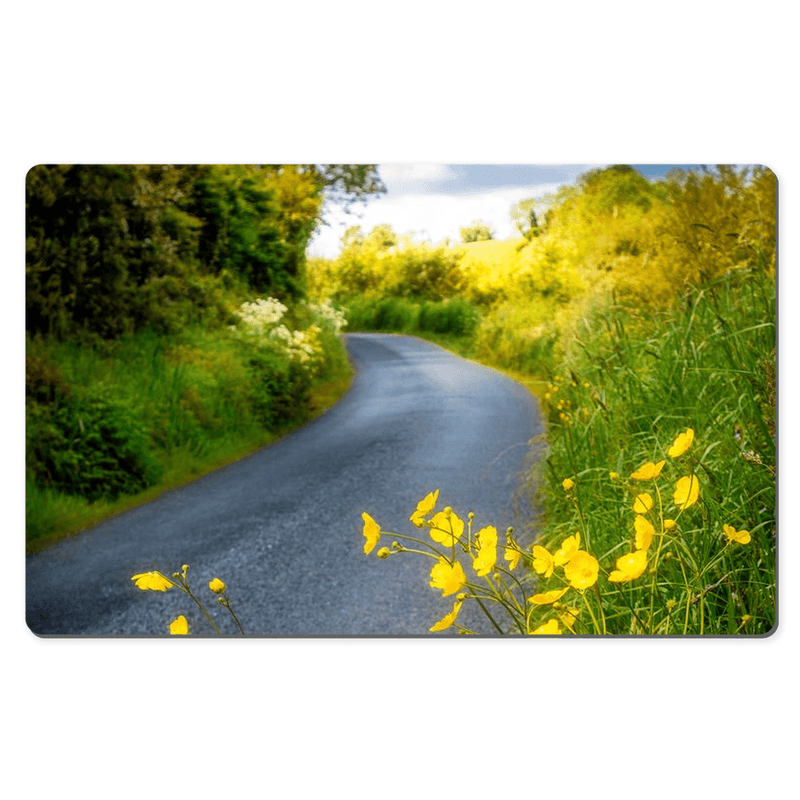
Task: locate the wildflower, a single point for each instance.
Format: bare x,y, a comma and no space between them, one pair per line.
446,527
217,586
746,618
681,444
568,484
424,507
568,548
179,625
545,598
372,532
550,628
740,537
581,570
648,471
629,567
670,525
613,475
543,561
644,533
448,619
686,491
512,555
487,551
643,503
154,581
447,577
671,603
384,552
567,615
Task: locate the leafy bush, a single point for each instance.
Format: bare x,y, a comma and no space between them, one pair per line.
90,445
453,315
279,388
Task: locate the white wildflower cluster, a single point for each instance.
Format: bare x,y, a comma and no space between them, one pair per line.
259,326
262,314
329,318
298,345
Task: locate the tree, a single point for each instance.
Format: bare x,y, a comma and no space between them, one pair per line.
476,232
524,218
345,184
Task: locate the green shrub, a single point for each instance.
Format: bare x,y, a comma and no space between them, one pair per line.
90,445
453,315
279,390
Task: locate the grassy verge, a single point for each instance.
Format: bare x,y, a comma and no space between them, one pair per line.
676,538
111,427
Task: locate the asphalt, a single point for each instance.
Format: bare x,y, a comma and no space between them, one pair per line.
282,527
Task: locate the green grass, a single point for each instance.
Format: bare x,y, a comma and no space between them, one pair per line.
189,403
629,383
618,384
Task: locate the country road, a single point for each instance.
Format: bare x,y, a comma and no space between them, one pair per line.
282,527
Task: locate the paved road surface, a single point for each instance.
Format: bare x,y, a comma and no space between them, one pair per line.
282,527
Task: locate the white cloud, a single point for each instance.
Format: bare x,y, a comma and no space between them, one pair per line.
428,216
399,174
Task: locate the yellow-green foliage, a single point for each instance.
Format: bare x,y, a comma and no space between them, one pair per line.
383,264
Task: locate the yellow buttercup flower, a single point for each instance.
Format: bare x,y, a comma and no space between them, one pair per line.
629,567
648,471
568,548
543,561
512,555
681,444
152,581
446,527
487,551
670,525
447,577
384,552
687,490
217,586
740,537
644,533
550,628
568,484
545,598
643,503
581,570
372,533
424,507
179,625
448,619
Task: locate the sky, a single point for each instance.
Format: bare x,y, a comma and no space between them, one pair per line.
433,201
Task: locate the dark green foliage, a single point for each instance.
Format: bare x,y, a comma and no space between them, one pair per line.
113,249
279,389
401,315
90,445
453,315
239,233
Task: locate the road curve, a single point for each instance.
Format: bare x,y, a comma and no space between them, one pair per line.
282,526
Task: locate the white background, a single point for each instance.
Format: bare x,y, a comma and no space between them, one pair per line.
418,82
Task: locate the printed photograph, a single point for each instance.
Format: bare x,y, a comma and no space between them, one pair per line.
401,400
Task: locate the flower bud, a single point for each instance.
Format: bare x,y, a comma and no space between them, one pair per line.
384,552
216,586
